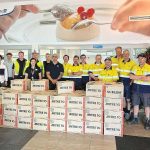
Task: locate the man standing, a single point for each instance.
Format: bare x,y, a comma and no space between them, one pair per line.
118,58
75,72
20,66
9,66
46,63
54,72
141,90
3,73
125,68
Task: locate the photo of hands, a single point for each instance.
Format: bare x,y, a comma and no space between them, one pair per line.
101,21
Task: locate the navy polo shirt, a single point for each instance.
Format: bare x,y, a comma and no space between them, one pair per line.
55,69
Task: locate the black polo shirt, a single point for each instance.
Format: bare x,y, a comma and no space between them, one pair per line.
45,63
33,73
55,69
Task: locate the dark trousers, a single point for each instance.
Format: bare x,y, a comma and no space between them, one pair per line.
9,81
85,80
78,83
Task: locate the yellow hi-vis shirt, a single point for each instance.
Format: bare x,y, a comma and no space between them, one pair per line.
66,69
125,68
96,68
138,71
75,69
115,62
108,76
85,69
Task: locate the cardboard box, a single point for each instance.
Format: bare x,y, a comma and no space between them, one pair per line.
40,85
65,87
94,89
1,120
25,99
41,112
41,100
94,115
58,113
25,111
75,114
94,127
113,116
94,103
10,121
57,125
76,102
58,101
75,126
41,124
21,84
24,123
113,104
114,90
11,110
10,98
113,129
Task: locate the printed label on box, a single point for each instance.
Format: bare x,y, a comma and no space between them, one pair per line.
94,127
9,98
94,103
114,91
41,100
75,126
25,99
75,114
113,116
94,115
76,102
10,121
113,104
41,85
57,113
24,123
65,87
10,110
113,129
57,125
58,101
41,112
41,124
94,89
24,111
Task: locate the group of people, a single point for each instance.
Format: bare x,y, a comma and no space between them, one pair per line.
120,68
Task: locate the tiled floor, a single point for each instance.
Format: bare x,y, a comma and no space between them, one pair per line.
66,141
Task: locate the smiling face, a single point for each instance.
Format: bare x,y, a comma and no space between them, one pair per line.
83,59
21,56
126,55
66,59
35,55
33,62
118,51
55,57
76,60
48,57
98,59
108,63
141,60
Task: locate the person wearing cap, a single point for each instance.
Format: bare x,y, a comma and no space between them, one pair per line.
66,66
96,67
118,58
85,69
35,55
141,90
75,73
3,73
108,74
20,66
125,68
9,64
33,72
46,63
54,72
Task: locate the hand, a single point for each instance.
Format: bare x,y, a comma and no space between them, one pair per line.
54,81
132,8
8,20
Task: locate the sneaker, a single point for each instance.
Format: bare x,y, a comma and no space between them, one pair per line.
147,125
134,121
127,116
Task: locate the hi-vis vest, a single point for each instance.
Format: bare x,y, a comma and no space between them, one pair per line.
125,68
108,76
138,71
96,68
66,68
85,69
115,62
17,67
